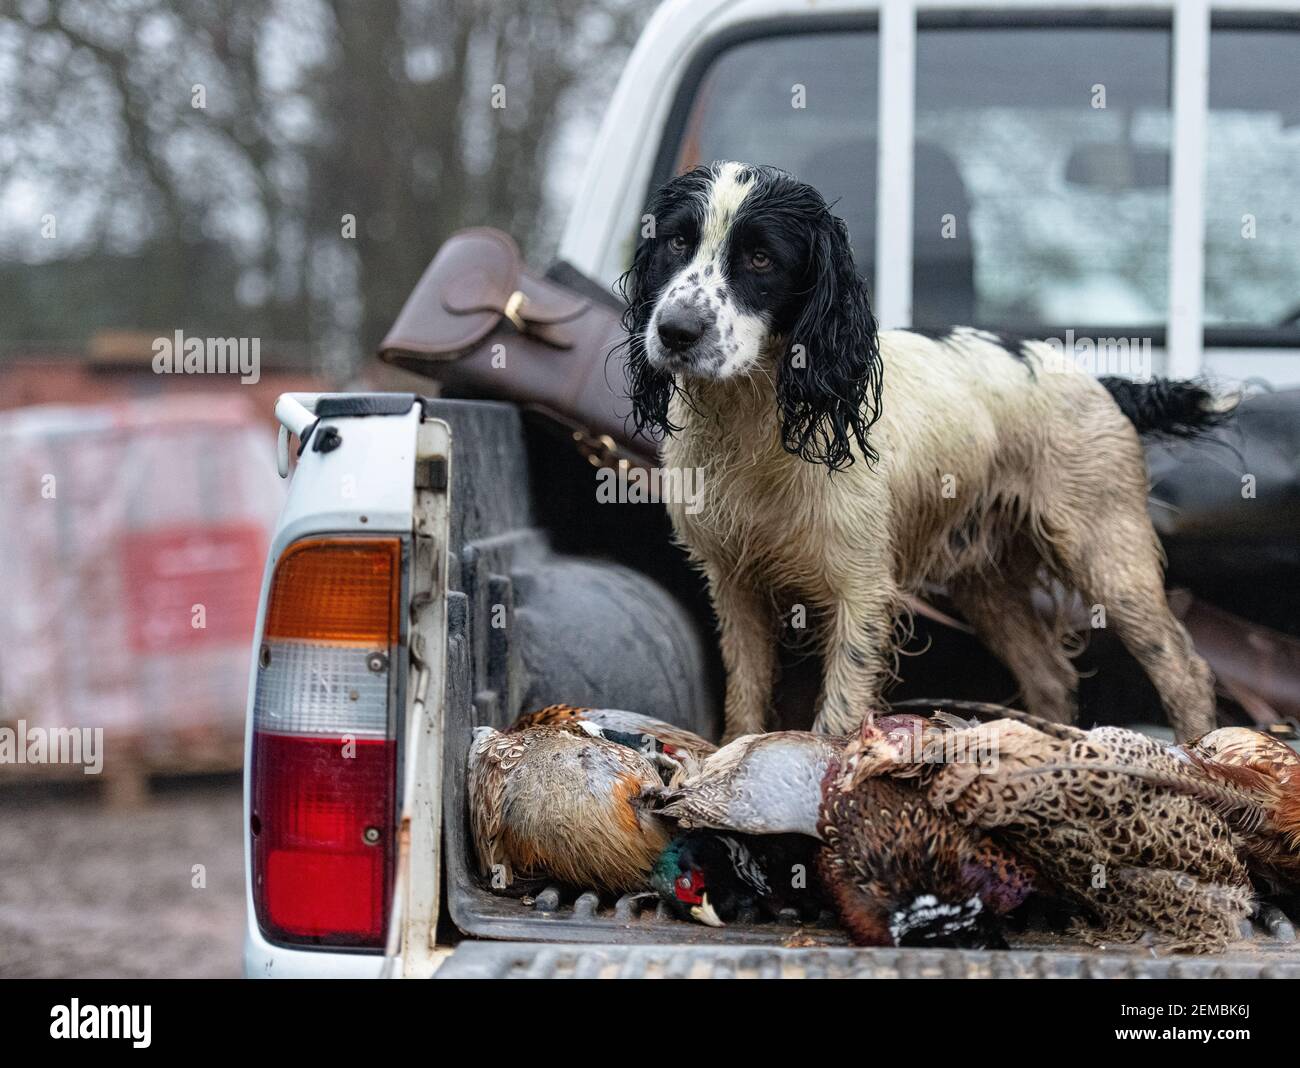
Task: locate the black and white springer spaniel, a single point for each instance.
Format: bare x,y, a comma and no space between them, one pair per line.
844,467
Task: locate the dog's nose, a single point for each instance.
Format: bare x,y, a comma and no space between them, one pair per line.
680,328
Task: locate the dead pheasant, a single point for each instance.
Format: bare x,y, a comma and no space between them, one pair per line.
1269,771
1116,821
1249,777
712,876
895,869
901,873
559,803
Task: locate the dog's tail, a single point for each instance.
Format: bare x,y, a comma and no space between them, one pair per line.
1176,408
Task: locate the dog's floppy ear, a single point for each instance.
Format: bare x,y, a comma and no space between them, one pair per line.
829,378
648,389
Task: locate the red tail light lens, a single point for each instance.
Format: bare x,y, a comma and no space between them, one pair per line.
321,858
324,755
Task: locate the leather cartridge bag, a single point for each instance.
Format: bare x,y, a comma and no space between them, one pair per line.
483,326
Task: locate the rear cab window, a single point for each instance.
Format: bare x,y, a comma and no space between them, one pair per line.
1051,207
802,101
1252,175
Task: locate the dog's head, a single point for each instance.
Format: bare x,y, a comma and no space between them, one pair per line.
746,271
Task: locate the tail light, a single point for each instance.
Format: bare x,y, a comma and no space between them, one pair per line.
324,749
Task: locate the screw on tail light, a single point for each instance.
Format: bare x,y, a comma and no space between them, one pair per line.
324,749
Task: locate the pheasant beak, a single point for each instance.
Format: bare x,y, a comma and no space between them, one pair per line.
703,912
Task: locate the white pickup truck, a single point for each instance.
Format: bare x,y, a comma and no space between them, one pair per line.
437,566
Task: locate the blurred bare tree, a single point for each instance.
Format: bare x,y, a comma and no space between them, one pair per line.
280,168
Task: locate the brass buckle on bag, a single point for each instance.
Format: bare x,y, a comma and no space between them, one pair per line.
601,451
511,311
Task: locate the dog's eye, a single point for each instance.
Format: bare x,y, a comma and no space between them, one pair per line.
760,260
678,244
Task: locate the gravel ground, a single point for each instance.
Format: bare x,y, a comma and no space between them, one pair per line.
87,891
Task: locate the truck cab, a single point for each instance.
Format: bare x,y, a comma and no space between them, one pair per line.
441,564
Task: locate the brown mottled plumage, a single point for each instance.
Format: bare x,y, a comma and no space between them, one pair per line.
1116,821
902,873
1268,770
896,869
546,801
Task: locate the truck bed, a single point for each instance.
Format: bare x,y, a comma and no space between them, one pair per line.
602,610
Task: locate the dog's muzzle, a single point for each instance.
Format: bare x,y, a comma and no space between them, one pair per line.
680,326
685,331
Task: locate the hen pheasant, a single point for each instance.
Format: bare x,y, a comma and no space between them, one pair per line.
546,801
1249,777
